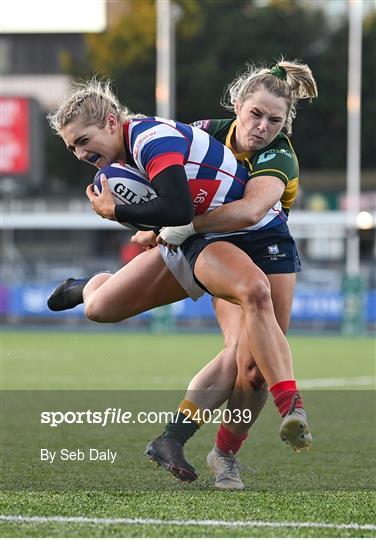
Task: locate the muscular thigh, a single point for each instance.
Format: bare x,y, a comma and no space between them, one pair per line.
144,283
225,270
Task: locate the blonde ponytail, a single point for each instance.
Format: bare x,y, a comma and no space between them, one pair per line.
290,80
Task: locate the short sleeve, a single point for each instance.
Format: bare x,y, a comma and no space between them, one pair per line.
156,146
277,161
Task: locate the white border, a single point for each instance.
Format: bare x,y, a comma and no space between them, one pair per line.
188,522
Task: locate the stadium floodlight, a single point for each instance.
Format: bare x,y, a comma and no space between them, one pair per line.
365,221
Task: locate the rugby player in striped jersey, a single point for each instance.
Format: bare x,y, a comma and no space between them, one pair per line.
160,162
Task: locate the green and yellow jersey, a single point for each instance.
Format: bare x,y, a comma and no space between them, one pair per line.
277,159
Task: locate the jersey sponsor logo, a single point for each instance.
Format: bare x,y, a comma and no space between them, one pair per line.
266,156
285,152
202,124
271,154
141,140
203,192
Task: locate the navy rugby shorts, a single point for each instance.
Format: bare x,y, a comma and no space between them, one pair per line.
273,250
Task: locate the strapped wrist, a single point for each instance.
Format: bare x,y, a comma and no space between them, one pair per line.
177,235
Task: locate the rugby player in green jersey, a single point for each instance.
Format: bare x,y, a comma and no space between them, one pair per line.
270,159
275,165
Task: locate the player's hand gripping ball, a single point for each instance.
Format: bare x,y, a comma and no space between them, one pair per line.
128,186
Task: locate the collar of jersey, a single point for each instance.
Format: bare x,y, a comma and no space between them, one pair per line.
240,156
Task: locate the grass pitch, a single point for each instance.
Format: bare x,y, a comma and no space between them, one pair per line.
290,495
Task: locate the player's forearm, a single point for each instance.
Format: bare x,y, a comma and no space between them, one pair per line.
260,195
227,218
172,206
160,211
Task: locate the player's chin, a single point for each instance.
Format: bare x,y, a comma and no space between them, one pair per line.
101,162
255,144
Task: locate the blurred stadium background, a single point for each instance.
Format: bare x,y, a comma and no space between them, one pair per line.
48,231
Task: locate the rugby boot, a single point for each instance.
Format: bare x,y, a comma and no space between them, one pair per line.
226,469
294,429
169,453
67,295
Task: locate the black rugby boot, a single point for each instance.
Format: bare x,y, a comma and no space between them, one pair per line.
169,453
67,295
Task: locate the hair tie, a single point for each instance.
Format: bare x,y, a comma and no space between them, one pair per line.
279,71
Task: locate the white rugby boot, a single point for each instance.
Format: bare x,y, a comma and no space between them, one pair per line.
226,469
294,429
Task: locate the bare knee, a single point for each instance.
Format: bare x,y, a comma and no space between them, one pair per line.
256,379
251,375
96,310
256,295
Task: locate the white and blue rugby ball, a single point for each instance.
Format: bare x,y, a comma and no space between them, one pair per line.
128,186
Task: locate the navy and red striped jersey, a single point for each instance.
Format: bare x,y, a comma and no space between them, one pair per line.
215,176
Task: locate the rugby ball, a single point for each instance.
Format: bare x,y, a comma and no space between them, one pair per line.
128,186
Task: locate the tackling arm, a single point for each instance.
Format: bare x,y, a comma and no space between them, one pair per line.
261,194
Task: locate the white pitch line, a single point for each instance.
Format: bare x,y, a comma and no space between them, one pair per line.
309,384
183,523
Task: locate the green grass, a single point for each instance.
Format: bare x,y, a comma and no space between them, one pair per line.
118,361
332,484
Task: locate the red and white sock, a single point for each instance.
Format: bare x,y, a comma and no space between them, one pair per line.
227,441
283,392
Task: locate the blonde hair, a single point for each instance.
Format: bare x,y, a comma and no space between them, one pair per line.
287,79
92,100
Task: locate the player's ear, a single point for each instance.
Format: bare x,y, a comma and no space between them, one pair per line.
237,107
112,122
